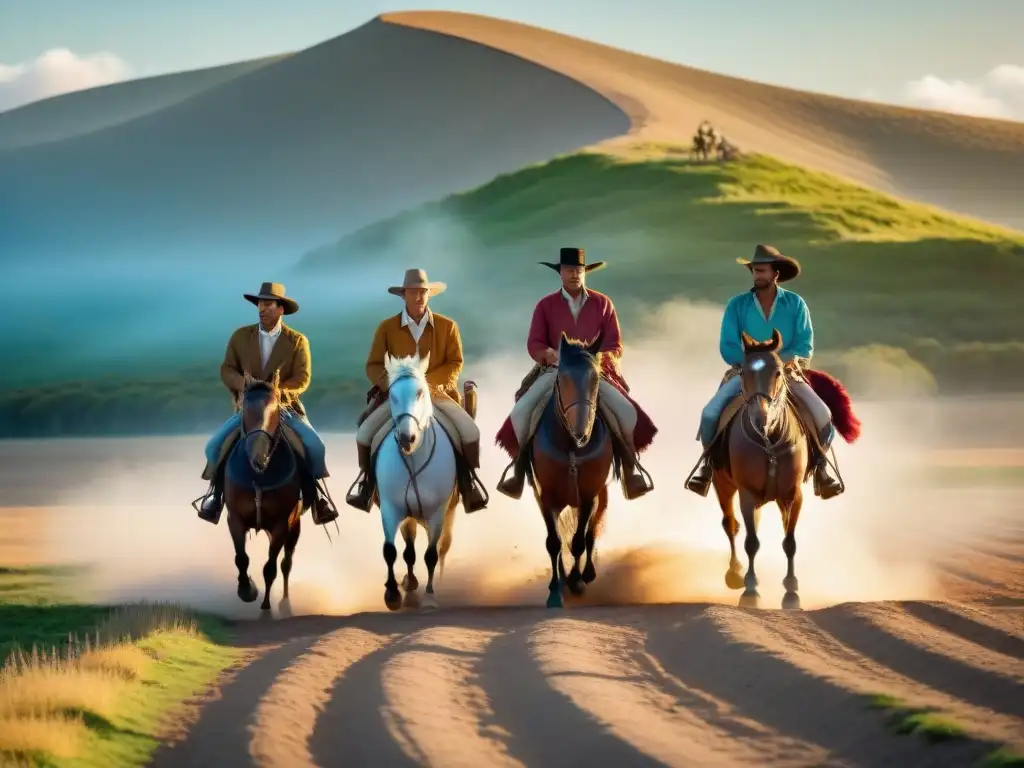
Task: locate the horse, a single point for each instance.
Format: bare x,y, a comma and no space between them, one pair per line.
764,456
571,455
263,488
416,480
699,149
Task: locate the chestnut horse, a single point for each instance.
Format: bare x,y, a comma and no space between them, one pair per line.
763,455
571,455
263,488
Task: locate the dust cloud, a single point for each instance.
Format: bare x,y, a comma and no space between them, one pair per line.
131,515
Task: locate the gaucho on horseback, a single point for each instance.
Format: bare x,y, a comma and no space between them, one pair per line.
580,313
767,307
266,350
418,330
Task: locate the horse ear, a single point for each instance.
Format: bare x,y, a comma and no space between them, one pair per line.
748,342
425,363
563,341
776,340
247,380
594,347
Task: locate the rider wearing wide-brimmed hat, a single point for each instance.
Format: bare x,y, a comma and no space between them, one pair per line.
581,313
758,312
261,349
418,330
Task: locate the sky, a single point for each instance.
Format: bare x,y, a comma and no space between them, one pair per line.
958,55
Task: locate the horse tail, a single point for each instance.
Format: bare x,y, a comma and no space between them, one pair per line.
835,396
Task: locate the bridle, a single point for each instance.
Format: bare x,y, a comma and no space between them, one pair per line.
562,408
413,475
275,440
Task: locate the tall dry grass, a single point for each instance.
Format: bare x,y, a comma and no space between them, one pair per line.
49,697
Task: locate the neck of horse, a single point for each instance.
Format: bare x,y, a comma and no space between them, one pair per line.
771,419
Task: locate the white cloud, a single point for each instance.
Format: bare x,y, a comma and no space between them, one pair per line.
997,93
57,71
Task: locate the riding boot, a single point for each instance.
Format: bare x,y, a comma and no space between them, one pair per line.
700,481
634,484
474,498
213,505
512,486
361,495
825,486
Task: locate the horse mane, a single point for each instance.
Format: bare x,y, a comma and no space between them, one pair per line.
577,351
395,367
835,396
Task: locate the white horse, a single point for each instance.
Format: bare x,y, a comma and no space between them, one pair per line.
416,479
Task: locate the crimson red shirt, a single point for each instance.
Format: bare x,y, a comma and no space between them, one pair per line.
552,317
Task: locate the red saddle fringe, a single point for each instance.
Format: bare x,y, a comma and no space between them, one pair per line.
835,396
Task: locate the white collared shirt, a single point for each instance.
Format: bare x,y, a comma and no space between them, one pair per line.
267,341
575,305
417,329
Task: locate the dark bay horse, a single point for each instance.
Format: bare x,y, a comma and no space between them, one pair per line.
571,455
763,456
263,488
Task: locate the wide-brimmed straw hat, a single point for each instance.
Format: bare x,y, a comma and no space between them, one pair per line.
768,254
274,292
417,278
573,257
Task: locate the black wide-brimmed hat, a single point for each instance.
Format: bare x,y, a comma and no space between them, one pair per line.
768,254
274,292
573,257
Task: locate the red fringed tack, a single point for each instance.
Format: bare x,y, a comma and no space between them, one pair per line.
506,439
835,396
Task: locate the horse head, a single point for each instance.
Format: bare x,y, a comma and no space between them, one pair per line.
261,418
576,385
409,396
761,376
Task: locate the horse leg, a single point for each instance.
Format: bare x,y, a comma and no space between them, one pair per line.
446,534
277,539
751,515
554,547
589,570
791,600
409,582
247,591
390,519
726,492
290,541
578,545
435,529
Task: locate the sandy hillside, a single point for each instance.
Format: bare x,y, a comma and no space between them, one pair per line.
289,155
92,109
970,165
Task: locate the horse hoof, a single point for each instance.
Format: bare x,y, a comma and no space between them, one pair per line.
733,580
576,585
248,593
750,599
429,603
554,600
791,601
411,600
790,584
284,608
410,583
393,600
265,612
589,573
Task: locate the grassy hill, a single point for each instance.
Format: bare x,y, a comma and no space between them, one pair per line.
891,284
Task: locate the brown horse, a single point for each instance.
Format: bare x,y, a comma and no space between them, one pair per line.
571,455
763,455
263,488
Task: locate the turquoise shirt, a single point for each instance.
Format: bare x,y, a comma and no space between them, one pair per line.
789,314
